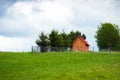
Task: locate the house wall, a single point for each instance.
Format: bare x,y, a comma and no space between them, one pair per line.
79,45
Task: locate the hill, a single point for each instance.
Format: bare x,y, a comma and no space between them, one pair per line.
59,66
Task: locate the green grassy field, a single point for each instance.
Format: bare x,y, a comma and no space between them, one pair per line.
59,66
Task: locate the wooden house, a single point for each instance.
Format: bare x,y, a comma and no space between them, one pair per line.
79,44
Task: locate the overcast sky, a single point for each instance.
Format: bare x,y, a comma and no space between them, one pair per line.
22,20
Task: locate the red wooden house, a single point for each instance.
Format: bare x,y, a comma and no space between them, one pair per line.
79,44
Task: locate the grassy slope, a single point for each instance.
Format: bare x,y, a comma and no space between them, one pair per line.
59,66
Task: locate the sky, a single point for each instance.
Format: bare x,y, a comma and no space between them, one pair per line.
21,21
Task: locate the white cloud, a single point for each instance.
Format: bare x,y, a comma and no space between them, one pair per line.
46,10
20,8
36,16
28,18
16,44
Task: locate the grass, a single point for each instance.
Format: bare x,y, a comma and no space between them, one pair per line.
59,66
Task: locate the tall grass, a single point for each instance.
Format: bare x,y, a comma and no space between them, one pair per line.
59,66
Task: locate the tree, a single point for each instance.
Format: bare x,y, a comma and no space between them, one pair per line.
77,33
55,39
42,41
72,35
107,36
66,39
83,36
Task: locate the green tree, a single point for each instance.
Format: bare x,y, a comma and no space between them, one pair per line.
60,41
77,33
107,36
83,36
72,35
43,41
66,39
55,39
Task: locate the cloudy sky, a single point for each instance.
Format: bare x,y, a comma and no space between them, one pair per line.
22,20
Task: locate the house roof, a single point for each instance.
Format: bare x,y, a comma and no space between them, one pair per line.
83,40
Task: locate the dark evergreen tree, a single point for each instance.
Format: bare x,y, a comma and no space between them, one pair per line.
43,41
83,36
55,39
72,36
66,39
77,33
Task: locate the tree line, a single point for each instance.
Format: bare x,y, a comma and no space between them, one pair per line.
56,39
107,38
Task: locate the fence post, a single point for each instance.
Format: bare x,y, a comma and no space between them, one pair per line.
32,49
